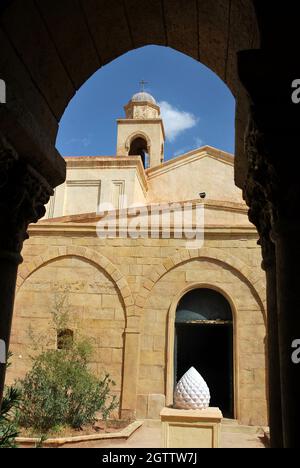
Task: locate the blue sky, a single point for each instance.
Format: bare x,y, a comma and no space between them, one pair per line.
197,107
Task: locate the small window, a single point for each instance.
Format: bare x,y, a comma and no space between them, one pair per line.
64,339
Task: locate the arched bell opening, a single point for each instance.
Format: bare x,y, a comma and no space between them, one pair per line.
139,147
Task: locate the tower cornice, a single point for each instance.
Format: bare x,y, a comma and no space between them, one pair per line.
143,122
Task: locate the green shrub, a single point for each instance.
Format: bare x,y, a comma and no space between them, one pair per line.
8,426
60,390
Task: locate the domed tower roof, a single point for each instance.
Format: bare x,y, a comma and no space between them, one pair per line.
143,97
142,131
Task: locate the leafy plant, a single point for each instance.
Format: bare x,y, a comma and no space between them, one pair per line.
8,425
60,390
8,414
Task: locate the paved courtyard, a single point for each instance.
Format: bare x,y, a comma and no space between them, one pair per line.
148,436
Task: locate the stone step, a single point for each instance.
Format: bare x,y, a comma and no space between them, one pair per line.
239,428
227,426
152,423
229,422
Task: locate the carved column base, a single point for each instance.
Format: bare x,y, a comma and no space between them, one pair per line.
288,286
8,277
274,378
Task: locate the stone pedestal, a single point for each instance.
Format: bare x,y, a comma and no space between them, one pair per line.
191,428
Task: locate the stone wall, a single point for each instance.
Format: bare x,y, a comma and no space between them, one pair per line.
125,286
95,311
249,337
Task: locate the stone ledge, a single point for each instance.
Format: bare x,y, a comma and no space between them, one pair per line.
124,434
210,414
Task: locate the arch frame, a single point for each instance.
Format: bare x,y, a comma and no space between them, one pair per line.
106,33
234,264
132,319
27,269
134,136
132,322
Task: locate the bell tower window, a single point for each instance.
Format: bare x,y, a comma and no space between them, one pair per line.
139,147
141,132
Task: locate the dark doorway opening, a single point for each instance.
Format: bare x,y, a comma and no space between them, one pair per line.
204,340
202,347
138,147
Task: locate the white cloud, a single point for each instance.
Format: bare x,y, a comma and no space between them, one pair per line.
181,151
86,141
198,144
175,120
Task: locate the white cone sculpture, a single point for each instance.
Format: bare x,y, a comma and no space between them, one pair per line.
192,392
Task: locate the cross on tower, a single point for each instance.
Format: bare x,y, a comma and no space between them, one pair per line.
142,84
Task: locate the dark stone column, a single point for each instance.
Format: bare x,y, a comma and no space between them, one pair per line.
274,377
23,194
274,167
288,284
260,214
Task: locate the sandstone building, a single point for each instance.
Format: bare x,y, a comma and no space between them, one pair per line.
156,304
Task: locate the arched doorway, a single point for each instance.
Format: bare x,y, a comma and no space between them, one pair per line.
204,340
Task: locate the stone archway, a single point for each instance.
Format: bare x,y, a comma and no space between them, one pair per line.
226,261
159,310
214,255
27,269
49,49
131,331
68,31
135,136
39,50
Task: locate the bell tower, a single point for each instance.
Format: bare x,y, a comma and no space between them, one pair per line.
142,133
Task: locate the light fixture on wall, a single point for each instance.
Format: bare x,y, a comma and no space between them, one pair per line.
202,195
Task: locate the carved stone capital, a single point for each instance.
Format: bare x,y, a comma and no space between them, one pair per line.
272,188
23,195
260,190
